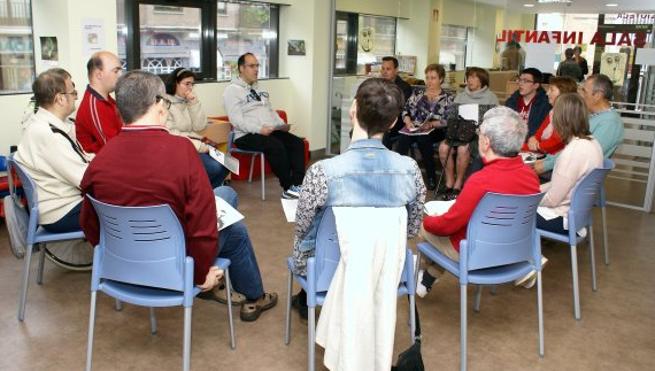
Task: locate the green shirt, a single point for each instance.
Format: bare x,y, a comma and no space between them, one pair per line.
607,129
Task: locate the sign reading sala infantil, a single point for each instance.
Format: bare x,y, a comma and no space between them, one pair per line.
636,39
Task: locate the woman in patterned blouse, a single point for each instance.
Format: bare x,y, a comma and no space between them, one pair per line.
425,111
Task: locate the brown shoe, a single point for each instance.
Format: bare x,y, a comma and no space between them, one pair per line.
220,295
251,310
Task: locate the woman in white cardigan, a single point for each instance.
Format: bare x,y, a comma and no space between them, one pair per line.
580,156
186,117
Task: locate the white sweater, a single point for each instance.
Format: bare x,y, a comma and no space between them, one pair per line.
247,114
53,164
185,119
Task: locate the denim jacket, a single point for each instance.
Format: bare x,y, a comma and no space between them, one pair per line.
366,174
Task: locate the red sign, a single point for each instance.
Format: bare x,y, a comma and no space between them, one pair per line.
573,37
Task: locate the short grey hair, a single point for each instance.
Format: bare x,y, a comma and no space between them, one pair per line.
505,130
602,84
136,92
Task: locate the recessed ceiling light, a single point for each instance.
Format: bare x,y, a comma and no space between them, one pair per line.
528,5
612,5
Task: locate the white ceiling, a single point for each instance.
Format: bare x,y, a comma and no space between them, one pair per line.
577,6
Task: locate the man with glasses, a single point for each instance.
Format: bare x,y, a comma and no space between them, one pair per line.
50,154
258,127
97,118
530,100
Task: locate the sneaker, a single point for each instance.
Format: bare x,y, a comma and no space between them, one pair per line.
530,279
424,283
292,193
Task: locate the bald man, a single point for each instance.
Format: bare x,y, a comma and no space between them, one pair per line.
97,118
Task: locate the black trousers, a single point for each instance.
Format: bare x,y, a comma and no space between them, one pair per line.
425,146
285,153
554,225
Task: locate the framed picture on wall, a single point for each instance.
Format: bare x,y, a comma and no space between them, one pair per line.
296,47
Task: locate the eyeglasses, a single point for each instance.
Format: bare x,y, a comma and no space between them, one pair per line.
73,93
167,103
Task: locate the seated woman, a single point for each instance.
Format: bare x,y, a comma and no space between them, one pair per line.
546,139
365,175
186,118
501,134
581,155
476,92
424,111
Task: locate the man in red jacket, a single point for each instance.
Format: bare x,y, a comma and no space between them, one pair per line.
97,118
501,135
138,168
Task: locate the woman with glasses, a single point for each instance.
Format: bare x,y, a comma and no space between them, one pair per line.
186,117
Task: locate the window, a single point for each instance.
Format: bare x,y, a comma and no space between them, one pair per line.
362,40
453,46
206,37
16,49
241,28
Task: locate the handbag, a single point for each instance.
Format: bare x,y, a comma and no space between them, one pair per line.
411,359
460,130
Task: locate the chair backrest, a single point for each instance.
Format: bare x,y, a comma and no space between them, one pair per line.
502,230
584,196
602,196
141,245
29,187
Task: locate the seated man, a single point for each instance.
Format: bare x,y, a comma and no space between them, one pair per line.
50,154
138,168
258,127
366,175
530,100
605,123
501,136
389,71
97,119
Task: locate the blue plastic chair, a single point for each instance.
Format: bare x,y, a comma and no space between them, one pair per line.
320,270
501,245
36,235
583,197
231,148
141,259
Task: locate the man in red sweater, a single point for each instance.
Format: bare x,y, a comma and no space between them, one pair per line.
501,135
97,118
138,168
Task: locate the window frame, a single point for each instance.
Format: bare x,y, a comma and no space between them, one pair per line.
208,34
31,26
351,45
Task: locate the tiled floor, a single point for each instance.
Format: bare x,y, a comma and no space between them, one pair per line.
617,330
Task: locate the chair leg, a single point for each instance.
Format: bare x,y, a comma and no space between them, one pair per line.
263,169
92,321
153,321
576,288
540,314
39,274
25,282
412,318
252,163
311,338
186,350
118,306
287,326
230,319
592,259
478,296
605,247
417,267
463,326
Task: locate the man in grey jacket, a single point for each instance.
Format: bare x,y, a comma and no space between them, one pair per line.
258,127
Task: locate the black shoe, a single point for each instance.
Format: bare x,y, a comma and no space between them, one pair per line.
431,184
299,302
452,195
443,195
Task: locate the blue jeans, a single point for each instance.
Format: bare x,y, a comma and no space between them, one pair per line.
68,223
234,244
215,171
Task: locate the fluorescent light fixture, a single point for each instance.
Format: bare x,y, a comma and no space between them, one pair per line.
612,5
528,5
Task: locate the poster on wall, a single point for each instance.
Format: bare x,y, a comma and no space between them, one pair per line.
93,36
49,50
296,47
614,66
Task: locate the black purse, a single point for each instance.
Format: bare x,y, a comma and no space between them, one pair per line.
460,130
411,359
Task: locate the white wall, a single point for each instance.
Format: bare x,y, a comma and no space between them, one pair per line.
412,34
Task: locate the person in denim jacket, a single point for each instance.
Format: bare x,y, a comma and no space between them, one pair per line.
366,174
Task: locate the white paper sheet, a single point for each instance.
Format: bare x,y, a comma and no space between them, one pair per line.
289,207
226,215
226,160
470,112
434,208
